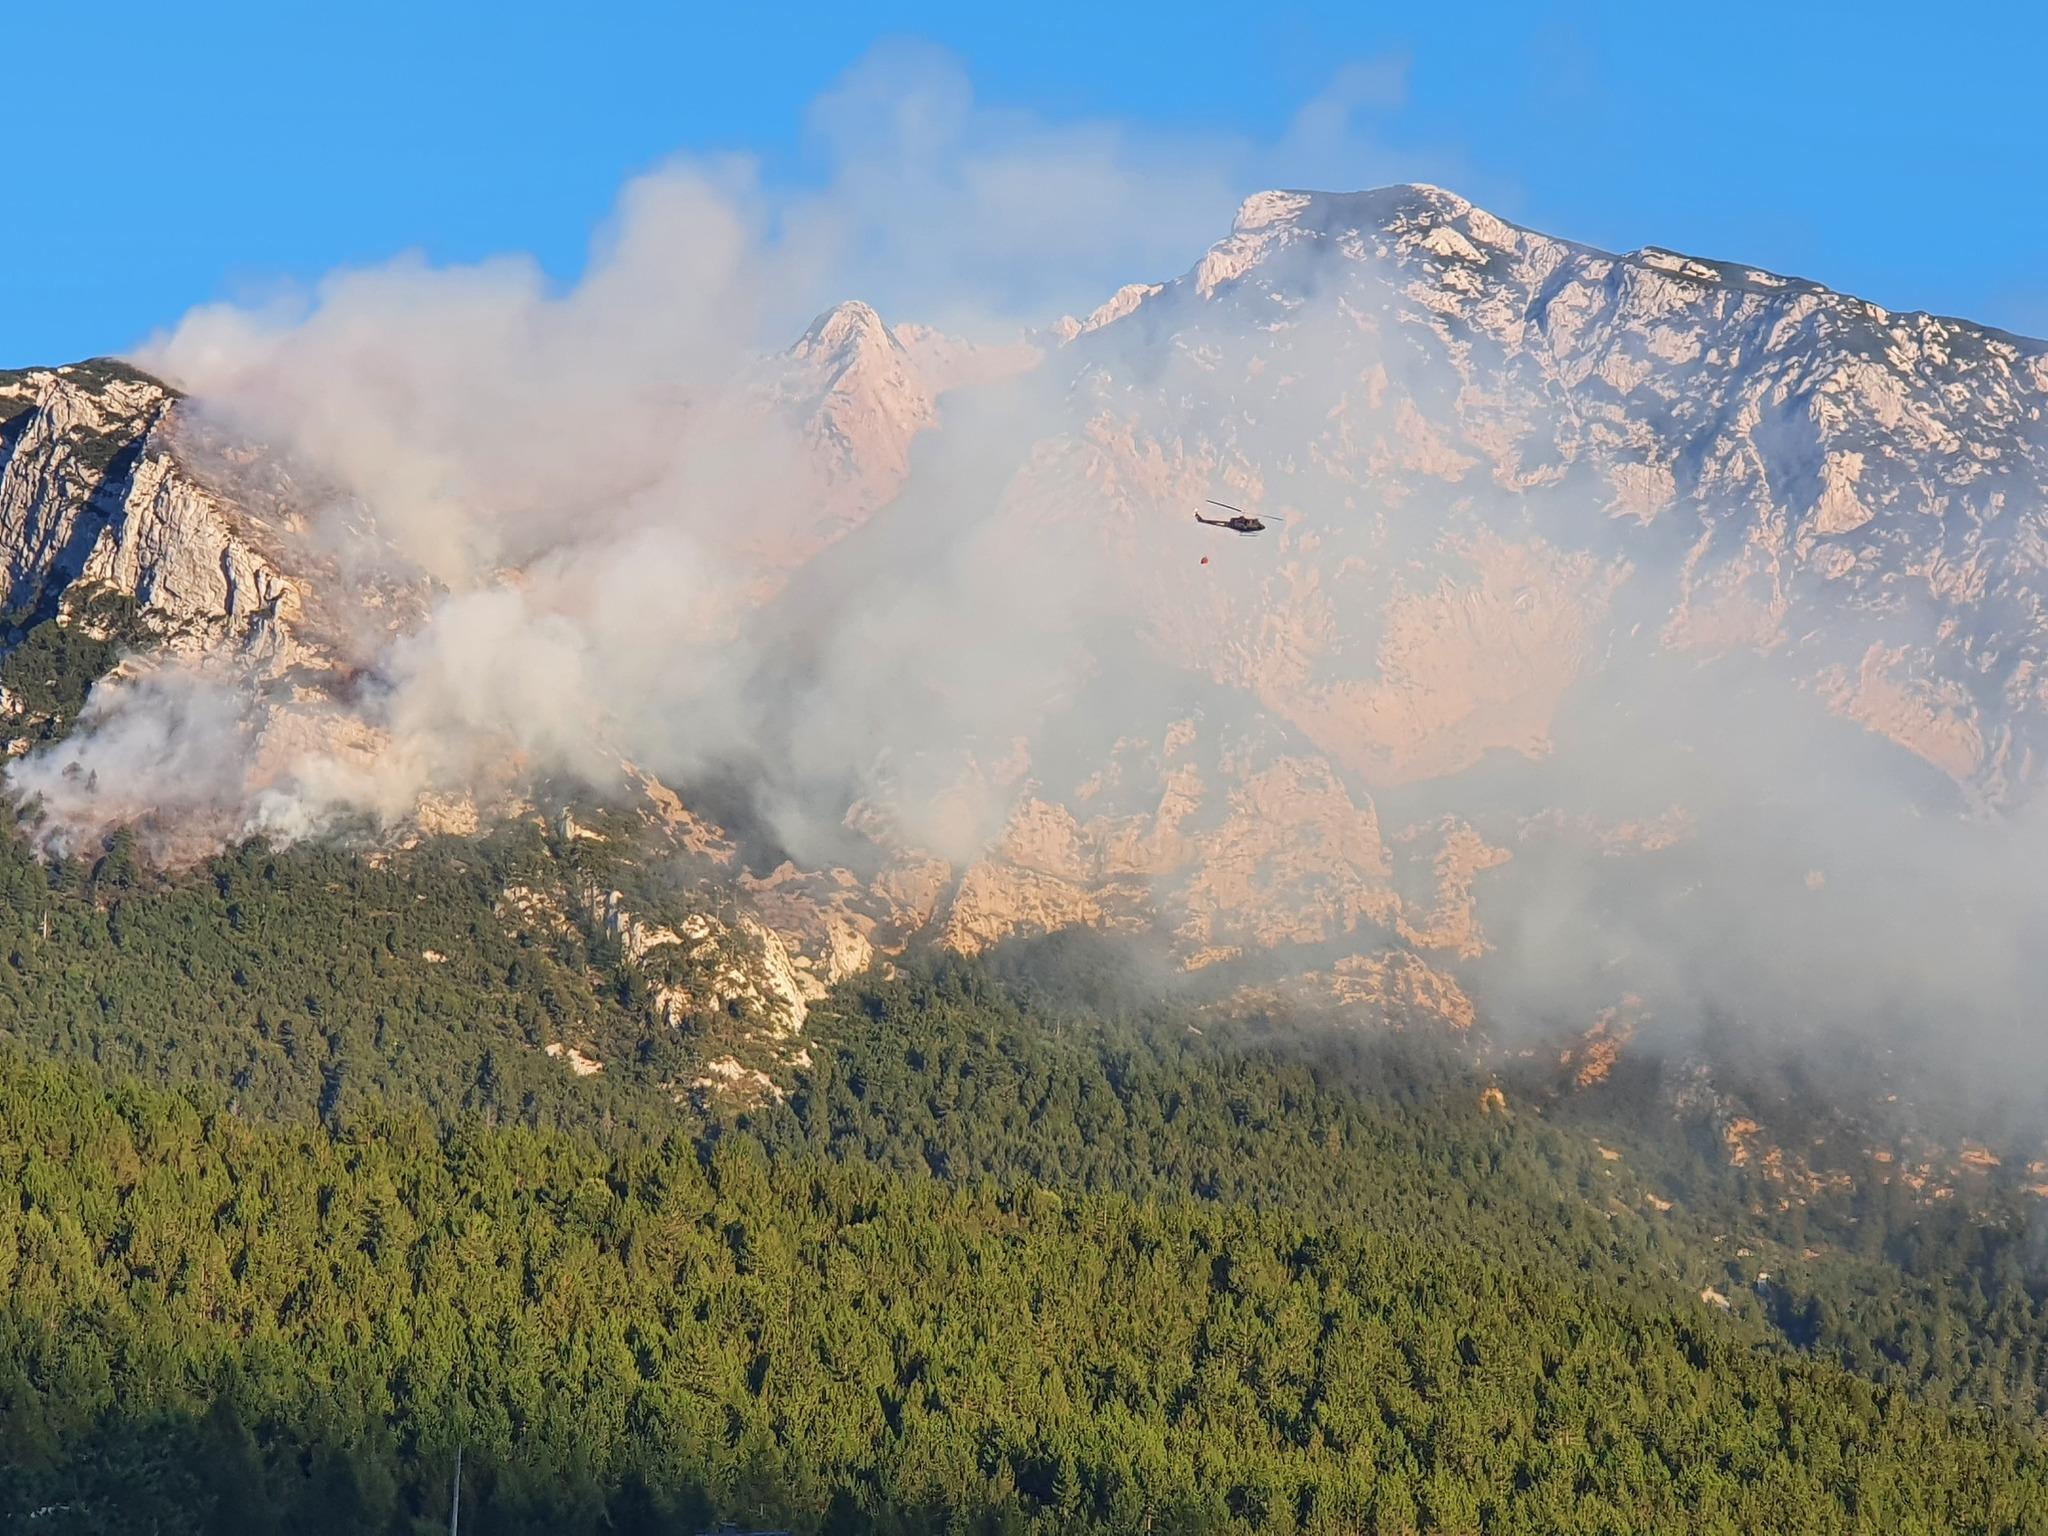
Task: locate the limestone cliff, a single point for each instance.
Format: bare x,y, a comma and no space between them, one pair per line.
94,496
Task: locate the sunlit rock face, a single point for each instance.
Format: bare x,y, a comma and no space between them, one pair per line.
1513,483
1495,447
96,495
1502,470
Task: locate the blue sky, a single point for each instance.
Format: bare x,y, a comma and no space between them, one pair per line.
164,156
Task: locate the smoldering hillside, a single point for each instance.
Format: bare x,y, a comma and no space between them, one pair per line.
1629,628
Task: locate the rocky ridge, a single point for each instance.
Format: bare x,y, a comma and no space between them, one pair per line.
1794,472
94,496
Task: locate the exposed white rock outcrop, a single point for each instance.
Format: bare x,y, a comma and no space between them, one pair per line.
94,498
706,964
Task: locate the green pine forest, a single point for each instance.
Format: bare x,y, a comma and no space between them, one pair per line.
300,1205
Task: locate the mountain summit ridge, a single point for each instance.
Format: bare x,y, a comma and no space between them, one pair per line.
1405,204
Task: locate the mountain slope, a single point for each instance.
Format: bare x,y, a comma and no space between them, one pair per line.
1588,572
1798,472
1581,562
270,1326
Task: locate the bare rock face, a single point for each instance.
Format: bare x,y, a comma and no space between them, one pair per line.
995,901
1389,988
1450,919
861,398
708,964
1856,493
93,498
859,393
1499,466
825,915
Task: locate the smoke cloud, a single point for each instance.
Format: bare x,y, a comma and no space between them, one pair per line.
581,535
588,480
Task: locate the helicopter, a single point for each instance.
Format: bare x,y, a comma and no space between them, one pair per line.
1243,522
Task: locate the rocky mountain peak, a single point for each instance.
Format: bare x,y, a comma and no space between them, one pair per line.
858,398
845,336
1388,207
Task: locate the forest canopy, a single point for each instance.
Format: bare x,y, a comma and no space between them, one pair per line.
300,1211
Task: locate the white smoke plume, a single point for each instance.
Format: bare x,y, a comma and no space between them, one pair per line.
586,482
587,478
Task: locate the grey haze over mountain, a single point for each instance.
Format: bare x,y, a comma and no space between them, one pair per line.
1639,636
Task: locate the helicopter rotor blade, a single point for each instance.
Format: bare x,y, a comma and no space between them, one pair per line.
1226,506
